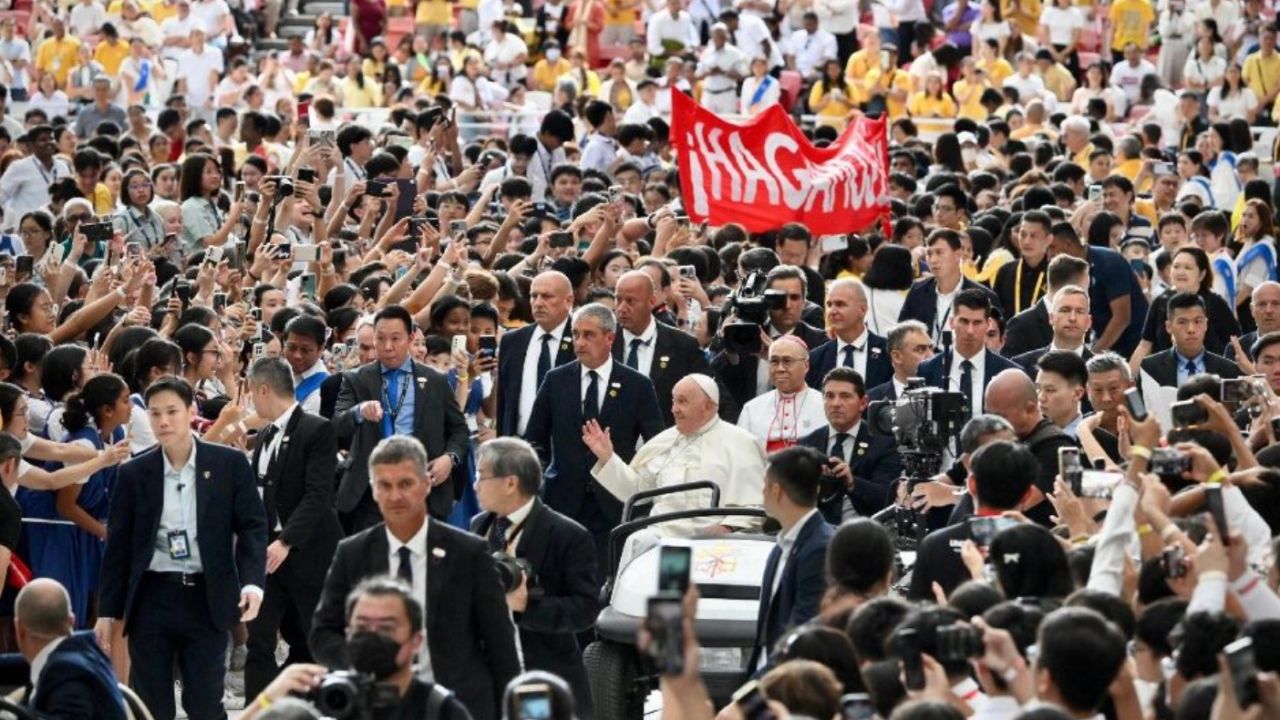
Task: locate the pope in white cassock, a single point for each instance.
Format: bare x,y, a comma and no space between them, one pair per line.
701,446
792,410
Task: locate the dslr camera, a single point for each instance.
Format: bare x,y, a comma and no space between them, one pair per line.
512,570
345,695
284,185
957,642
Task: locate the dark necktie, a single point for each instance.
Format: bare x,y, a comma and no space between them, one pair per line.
264,442
966,380
1191,368
837,450
848,355
544,358
633,357
405,572
591,403
391,401
498,536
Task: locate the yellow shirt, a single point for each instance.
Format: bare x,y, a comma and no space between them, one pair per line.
1262,75
58,57
545,73
355,96
615,15
1023,14
923,105
861,61
102,204
300,81
592,81
998,70
431,87
1029,128
111,56
972,107
899,80
1146,207
1131,23
835,110
161,12
1082,158
372,68
1130,169
1059,81
434,12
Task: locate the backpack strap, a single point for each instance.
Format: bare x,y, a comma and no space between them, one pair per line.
437,696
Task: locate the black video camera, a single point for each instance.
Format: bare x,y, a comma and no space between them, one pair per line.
512,570
924,419
345,695
750,305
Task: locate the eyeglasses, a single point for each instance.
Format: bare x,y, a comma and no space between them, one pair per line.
482,478
78,218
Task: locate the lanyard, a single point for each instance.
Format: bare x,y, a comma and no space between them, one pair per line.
510,540
1017,288
48,177
143,229
386,396
942,322
217,219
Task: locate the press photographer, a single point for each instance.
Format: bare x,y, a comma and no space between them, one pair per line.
546,560
384,634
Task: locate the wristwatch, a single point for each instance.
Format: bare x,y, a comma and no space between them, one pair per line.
454,457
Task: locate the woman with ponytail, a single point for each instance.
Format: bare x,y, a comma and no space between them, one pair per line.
69,547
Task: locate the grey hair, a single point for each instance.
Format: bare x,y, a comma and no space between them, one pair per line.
506,456
273,373
397,449
1106,362
981,427
1078,123
1129,146
898,333
788,272
599,313
855,285
1066,290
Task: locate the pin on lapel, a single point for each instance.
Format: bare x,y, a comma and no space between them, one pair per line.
422,382
207,474
613,393
615,385
437,555
564,344
875,352
662,362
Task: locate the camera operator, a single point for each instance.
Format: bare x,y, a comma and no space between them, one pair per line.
557,595
909,345
1012,396
794,576
999,480
867,465
384,634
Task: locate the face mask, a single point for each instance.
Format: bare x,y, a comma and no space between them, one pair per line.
373,654
553,54
968,154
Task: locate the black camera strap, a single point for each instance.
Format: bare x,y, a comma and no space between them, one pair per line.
509,541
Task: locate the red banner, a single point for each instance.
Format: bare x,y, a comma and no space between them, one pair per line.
765,173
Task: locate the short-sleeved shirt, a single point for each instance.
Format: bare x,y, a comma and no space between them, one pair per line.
1110,277
1262,74
1131,23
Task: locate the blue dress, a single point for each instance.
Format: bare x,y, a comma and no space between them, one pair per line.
59,549
467,506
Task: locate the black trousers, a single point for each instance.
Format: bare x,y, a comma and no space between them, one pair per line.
171,625
288,602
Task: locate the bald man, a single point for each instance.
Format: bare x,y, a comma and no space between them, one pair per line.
1265,305
526,355
1012,396
70,675
700,446
854,346
663,353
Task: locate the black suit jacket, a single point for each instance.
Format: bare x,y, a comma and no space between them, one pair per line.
231,531
875,464
675,355
800,589
938,560
1163,367
329,390
77,682
737,373
511,354
629,411
883,391
564,598
1027,330
438,423
469,632
298,493
1027,360
824,357
921,302
932,369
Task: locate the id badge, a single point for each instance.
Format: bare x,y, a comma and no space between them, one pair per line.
179,548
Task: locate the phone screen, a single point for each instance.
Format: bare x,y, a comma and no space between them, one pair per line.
665,623
674,563
1135,404
1218,511
912,660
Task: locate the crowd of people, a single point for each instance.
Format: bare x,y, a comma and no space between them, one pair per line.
349,356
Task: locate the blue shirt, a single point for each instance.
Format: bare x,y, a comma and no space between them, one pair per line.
1183,373
403,383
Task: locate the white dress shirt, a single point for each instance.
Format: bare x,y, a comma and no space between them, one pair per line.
269,452
848,445
811,50
311,403
860,351
25,187
529,374
539,172
602,383
644,351
662,26
517,519
178,513
976,378
728,59
599,152
418,566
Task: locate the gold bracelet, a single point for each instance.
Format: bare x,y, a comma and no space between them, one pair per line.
264,702
1140,451
1216,478
1144,528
